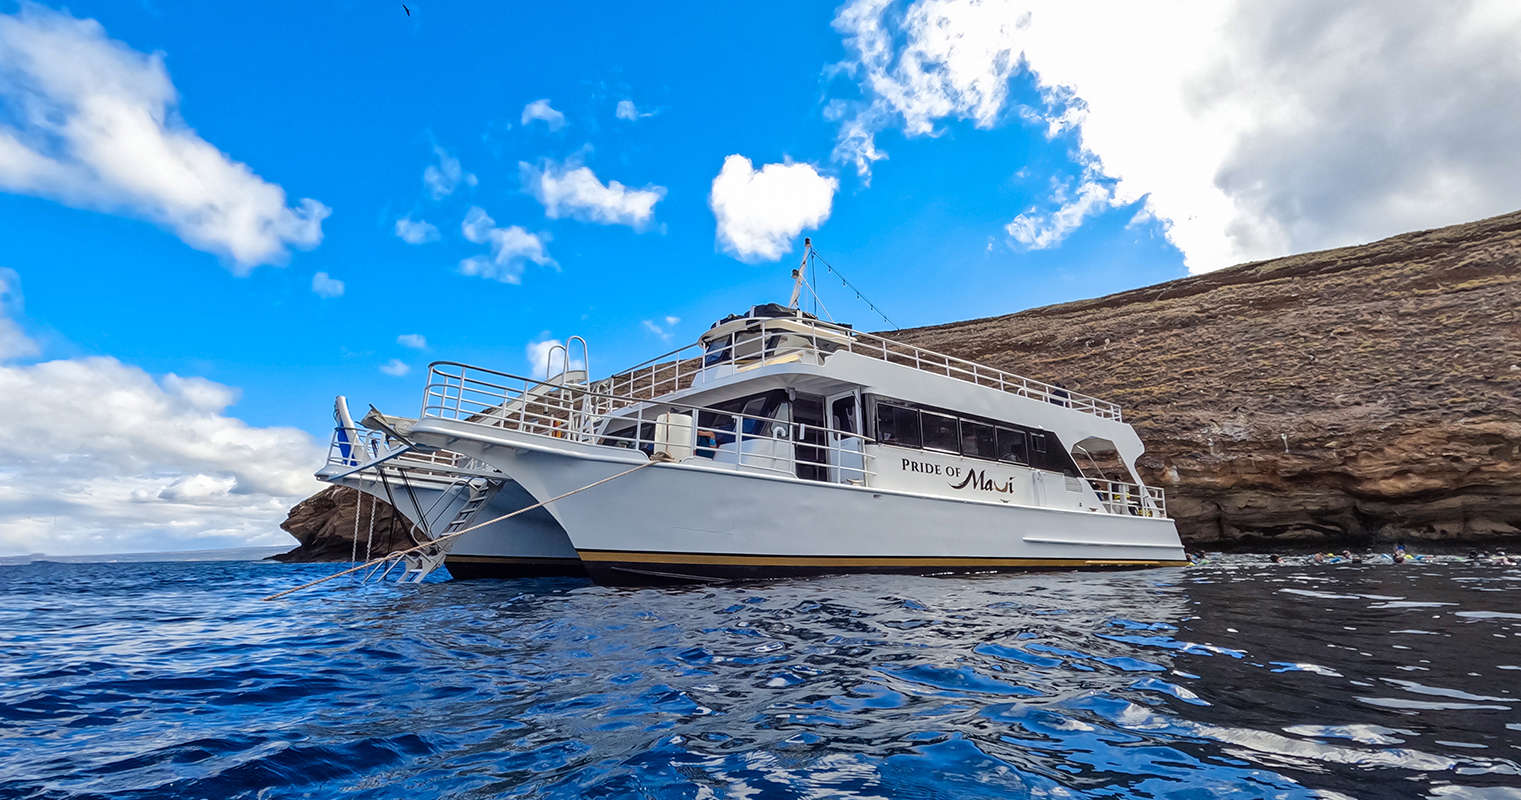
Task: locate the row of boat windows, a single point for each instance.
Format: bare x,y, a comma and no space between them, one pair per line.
890,422
903,425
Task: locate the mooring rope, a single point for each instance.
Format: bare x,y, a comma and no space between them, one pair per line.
657,459
371,534
354,551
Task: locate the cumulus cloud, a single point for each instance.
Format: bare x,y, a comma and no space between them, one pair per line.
95,124
443,178
415,231
542,111
416,341
14,343
568,190
761,211
324,285
395,368
955,62
99,456
1250,130
662,328
1035,230
540,364
511,248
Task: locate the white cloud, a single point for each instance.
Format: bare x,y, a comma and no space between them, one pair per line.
416,341
1249,129
566,190
663,330
14,343
324,285
1039,231
511,248
95,124
538,353
416,231
98,456
628,111
761,211
395,368
542,111
955,62
477,225
443,178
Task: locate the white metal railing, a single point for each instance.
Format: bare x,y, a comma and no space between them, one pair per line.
351,447
679,368
577,413
1134,499
580,413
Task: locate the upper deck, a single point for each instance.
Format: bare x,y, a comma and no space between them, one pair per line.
756,340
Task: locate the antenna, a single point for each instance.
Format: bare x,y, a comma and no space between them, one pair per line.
797,274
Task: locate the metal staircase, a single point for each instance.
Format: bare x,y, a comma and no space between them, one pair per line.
424,561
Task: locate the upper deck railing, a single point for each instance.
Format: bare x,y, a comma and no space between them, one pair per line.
770,338
571,413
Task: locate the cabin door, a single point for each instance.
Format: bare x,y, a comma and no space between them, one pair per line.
847,457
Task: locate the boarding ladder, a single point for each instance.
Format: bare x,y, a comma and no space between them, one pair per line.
424,561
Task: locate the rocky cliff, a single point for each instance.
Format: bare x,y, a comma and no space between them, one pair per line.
1369,391
323,525
1366,392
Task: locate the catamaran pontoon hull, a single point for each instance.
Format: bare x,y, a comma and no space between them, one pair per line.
528,545
696,521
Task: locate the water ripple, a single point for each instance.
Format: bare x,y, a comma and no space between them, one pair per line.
174,680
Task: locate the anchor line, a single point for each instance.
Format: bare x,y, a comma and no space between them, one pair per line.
354,551
447,537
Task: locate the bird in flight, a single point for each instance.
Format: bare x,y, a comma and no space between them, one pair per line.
408,10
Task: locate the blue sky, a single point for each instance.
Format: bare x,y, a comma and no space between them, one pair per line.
1006,155
345,105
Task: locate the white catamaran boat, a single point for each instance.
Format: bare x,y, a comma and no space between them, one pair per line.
780,444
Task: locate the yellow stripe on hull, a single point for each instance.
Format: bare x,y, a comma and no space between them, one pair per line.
927,562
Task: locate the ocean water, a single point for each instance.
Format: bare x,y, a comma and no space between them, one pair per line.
169,680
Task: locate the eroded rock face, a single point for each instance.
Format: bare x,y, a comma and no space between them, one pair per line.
324,526
1365,392
1369,391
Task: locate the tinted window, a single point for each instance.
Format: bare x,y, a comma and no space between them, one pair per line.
718,351
844,415
1038,442
1011,446
977,440
897,425
940,432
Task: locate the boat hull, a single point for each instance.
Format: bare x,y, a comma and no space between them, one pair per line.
528,545
701,521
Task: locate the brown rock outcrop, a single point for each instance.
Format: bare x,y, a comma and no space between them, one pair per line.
1368,391
1365,392
323,524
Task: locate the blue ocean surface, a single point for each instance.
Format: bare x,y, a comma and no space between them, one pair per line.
174,680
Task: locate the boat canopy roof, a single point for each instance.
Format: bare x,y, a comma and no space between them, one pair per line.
764,311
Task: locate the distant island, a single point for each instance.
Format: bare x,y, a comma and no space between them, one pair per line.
1368,393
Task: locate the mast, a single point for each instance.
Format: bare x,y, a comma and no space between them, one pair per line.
797,274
